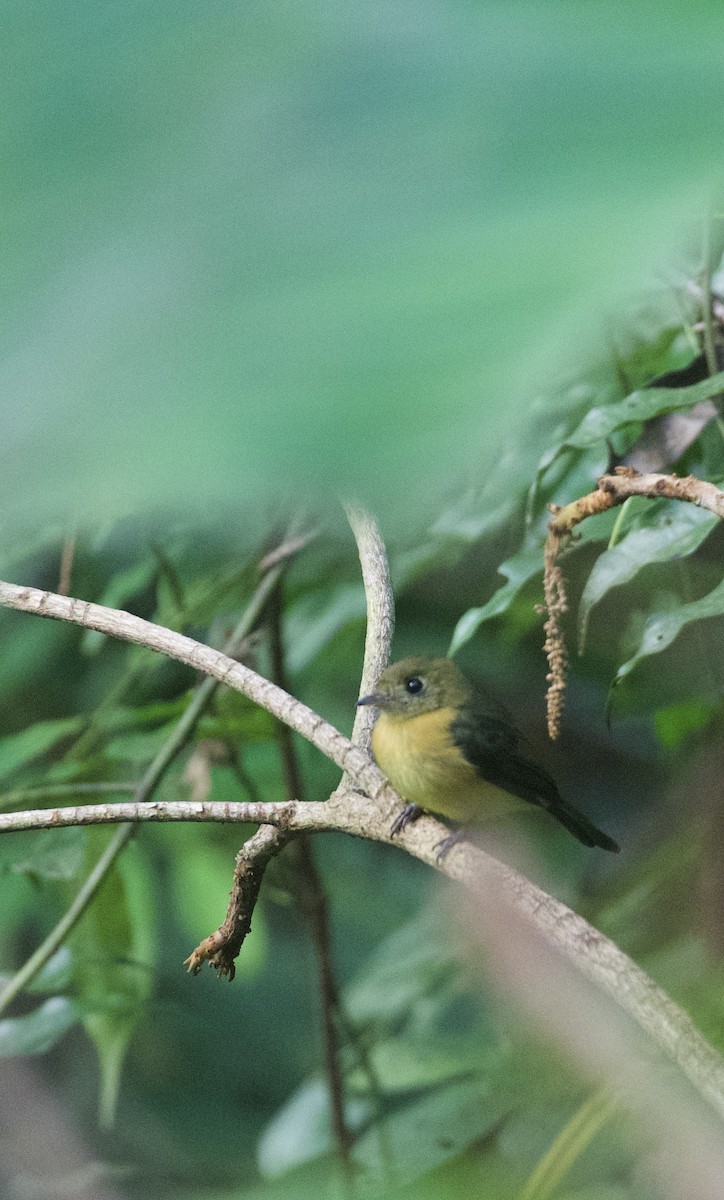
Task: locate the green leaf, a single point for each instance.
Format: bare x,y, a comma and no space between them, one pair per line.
674,723
315,619
40,1030
138,748
54,977
431,1130
678,530
415,962
56,974
18,749
121,719
236,716
408,1063
115,947
518,570
599,1192
662,628
123,586
302,1129
44,853
641,406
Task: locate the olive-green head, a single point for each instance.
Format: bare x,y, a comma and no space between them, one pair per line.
419,685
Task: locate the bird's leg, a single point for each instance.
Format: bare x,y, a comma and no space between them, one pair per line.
448,842
409,813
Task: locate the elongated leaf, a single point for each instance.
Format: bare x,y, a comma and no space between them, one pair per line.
431,1129
517,570
54,977
121,588
409,1063
115,949
413,965
44,853
21,748
679,531
301,1130
601,1191
678,721
599,423
41,1029
314,620
56,974
662,628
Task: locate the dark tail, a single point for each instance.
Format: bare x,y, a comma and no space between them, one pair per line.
581,827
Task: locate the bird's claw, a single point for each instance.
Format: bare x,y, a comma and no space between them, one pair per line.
409,813
448,842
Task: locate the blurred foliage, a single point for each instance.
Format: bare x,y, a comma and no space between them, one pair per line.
253,255
375,229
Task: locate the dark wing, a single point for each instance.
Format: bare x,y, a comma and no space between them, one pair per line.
492,745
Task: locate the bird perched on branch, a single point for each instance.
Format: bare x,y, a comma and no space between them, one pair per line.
448,747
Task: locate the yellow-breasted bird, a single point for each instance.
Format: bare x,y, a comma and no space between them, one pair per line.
448,747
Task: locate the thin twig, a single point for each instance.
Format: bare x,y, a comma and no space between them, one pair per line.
286,550
67,558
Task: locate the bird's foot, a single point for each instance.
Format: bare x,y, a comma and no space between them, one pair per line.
409,813
448,842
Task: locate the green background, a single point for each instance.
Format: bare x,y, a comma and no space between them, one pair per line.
254,249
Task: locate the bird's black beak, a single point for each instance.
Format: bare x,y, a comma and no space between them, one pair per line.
377,698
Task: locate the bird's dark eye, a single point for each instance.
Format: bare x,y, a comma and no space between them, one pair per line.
414,685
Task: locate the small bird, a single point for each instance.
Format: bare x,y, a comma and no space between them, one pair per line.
448,747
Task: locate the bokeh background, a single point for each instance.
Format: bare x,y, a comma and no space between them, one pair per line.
250,249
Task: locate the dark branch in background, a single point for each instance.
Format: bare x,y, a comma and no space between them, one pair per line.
312,898
612,490
222,947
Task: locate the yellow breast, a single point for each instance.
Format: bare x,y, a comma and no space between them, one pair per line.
423,764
